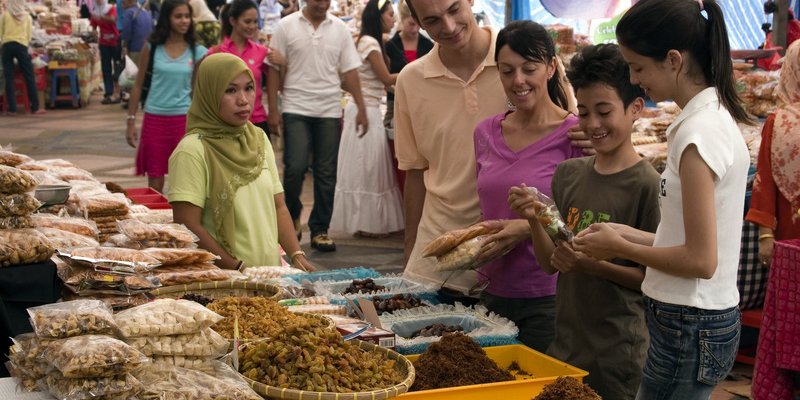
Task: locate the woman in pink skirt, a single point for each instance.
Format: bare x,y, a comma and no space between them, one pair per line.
164,86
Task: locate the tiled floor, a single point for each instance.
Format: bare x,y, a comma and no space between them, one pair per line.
93,137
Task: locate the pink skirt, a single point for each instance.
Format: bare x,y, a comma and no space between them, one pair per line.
159,137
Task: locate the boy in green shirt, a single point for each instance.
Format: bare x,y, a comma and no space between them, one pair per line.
600,324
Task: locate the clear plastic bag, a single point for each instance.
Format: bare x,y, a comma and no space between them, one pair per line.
23,246
206,343
25,382
165,317
45,165
449,240
463,256
122,387
13,180
85,280
65,240
93,356
72,174
165,382
80,226
94,256
46,178
72,318
11,159
180,256
117,302
183,274
16,222
27,355
176,234
18,204
548,215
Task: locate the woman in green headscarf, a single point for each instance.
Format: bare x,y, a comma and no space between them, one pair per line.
223,179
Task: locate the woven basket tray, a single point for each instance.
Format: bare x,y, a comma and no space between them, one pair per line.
405,366
219,289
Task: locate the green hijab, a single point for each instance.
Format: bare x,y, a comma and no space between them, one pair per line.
234,154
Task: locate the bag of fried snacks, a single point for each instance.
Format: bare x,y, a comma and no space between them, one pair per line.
449,240
72,318
548,215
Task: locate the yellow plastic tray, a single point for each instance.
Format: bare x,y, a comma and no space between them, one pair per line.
545,370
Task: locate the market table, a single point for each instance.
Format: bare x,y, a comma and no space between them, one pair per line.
778,351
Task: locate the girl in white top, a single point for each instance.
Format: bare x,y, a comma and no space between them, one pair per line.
367,199
678,50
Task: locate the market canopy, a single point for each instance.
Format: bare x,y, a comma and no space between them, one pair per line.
743,17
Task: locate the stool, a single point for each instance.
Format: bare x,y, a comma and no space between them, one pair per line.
74,95
20,93
752,319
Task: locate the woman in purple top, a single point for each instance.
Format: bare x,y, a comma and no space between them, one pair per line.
522,145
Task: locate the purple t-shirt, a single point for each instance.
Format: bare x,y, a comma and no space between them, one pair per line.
517,274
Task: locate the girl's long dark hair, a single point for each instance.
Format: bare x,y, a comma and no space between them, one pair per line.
233,9
652,28
163,28
532,41
372,21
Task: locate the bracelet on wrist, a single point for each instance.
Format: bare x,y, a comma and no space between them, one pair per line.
131,117
240,266
296,254
765,236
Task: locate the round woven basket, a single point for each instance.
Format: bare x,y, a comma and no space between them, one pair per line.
219,289
402,364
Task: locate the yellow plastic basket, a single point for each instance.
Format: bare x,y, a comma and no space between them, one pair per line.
403,364
544,369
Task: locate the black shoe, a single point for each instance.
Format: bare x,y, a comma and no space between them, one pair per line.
322,242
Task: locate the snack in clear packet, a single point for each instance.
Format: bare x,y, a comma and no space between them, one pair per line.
548,215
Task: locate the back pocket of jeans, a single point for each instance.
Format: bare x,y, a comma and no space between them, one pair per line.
717,353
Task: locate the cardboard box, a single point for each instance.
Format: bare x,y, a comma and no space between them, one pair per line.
375,335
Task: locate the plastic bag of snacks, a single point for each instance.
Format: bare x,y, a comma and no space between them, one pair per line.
26,354
85,280
17,204
206,343
66,240
121,241
548,215
120,387
11,159
463,256
16,222
180,256
45,165
165,317
161,233
72,318
23,246
14,180
80,226
117,302
183,274
110,253
449,240
93,356
167,382
25,382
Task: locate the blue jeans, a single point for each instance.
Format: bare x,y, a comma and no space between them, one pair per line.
109,63
319,138
691,350
11,51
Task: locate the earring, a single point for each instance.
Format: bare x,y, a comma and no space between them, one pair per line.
510,105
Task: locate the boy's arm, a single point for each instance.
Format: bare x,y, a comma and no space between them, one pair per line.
565,259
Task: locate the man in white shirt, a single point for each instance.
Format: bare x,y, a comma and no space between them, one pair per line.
321,59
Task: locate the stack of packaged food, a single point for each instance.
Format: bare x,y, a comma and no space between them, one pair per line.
19,243
174,332
73,353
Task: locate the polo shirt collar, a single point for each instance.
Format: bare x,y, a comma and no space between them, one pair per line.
698,102
436,67
326,21
229,47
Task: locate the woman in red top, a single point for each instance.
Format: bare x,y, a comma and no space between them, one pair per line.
776,191
239,28
104,17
